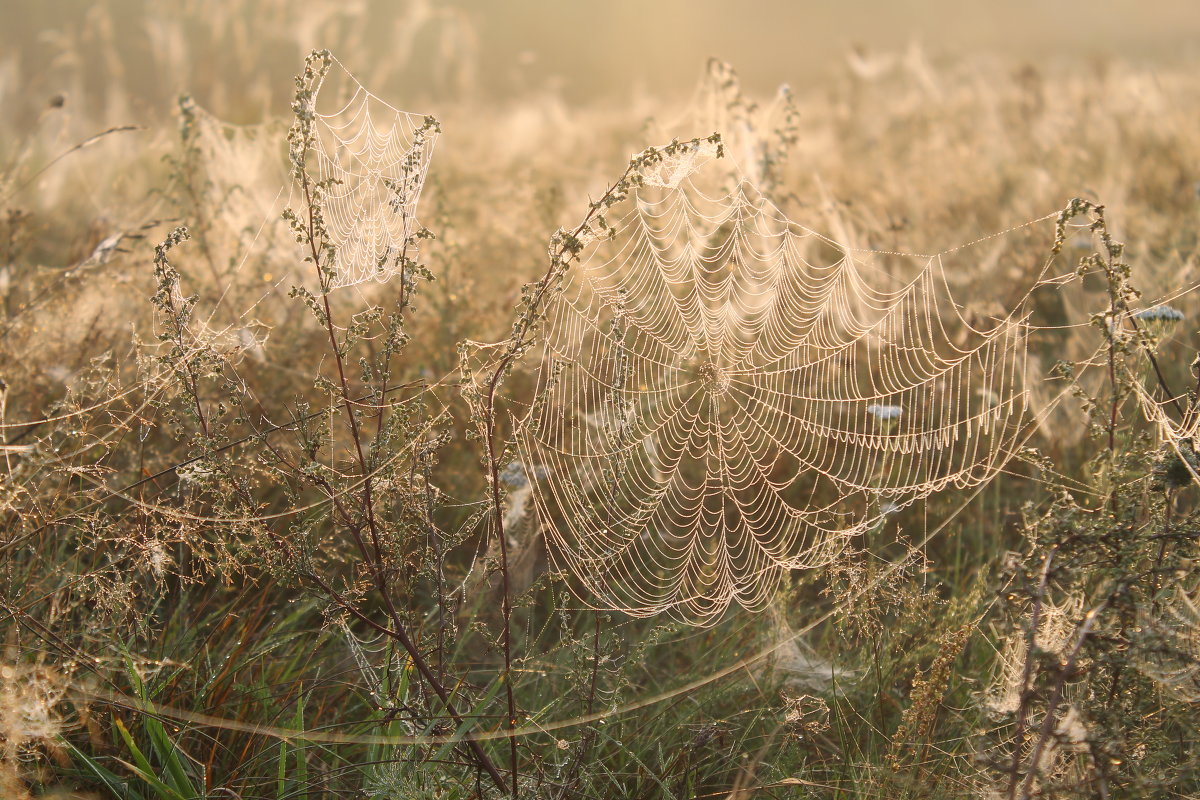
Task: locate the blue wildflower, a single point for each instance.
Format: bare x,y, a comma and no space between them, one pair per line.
885,413
515,477
1160,313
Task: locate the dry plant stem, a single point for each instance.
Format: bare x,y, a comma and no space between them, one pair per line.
273,428
81,145
595,667
1158,373
1195,407
1026,675
1162,546
401,635
1102,770
376,564
193,385
40,629
558,262
401,303
1116,404
1118,303
1116,299
1064,674
1113,301
374,561
585,743
435,544
1116,396
506,601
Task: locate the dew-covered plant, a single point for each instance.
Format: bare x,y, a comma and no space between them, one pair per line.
1078,706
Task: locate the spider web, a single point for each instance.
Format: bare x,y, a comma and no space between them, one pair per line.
377,157
244,180
727,395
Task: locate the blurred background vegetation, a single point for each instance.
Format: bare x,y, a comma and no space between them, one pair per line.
235,55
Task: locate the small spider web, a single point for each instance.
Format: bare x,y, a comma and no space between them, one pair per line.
726,395
376,158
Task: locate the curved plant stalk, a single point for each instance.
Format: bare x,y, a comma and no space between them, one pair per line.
565,247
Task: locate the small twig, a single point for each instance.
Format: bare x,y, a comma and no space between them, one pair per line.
1027,674
1064,674
559,261
81,145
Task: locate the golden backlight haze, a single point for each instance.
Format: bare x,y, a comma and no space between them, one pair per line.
236,56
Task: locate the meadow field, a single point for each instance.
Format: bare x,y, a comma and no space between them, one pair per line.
417,428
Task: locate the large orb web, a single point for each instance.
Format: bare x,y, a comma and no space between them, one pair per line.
375,158
726,396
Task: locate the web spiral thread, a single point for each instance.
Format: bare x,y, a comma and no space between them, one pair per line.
726,396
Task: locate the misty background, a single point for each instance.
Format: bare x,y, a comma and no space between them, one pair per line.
126,60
